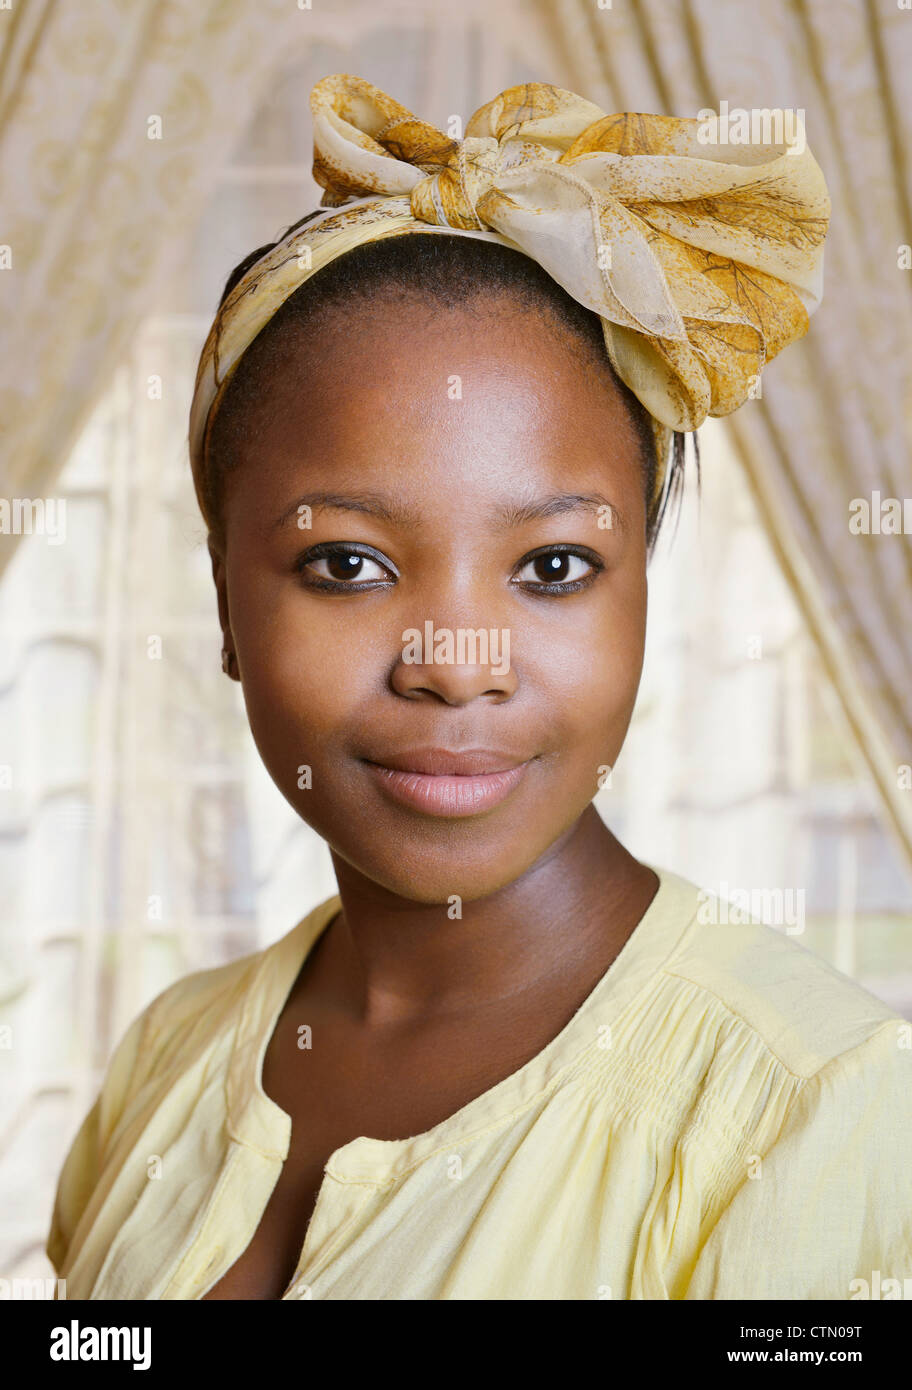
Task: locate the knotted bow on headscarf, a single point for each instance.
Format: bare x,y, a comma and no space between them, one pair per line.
703,259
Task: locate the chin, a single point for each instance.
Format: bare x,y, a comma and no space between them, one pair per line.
436,879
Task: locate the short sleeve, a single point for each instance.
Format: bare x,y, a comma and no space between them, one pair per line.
829,1213
85,1157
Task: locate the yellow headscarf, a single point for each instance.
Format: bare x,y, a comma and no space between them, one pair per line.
703,259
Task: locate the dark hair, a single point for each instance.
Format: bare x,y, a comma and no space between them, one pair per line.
451,270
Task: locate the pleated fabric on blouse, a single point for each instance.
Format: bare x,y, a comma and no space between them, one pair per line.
725,1116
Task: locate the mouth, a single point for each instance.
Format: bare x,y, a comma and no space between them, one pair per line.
444,782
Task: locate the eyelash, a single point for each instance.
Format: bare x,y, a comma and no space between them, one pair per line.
335,586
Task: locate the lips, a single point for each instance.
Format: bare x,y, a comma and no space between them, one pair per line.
445,762
443,782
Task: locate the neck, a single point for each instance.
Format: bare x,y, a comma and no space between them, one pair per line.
388,960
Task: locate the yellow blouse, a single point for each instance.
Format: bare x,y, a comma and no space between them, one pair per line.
725,1116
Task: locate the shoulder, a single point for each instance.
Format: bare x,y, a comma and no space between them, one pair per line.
199,993
189,1014
192,1006
802,1009
158,1031
804,1086
825,1210
174,1032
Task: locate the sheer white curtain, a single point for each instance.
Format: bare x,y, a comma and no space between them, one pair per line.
113,118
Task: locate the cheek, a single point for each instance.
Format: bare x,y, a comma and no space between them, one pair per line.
591,663
303,675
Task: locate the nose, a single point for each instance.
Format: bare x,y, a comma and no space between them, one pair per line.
455,665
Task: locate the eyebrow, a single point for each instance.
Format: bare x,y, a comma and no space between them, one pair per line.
510,514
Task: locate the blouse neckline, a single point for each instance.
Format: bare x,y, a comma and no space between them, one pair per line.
255,1120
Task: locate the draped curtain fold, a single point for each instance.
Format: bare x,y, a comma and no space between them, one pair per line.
834,422
115,121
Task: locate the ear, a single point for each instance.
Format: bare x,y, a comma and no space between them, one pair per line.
220,579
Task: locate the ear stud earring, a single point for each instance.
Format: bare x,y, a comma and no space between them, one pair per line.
226,661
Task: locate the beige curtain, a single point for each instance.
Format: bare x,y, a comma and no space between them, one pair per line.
115,120
835,419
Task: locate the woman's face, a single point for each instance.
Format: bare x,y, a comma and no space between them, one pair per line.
485,485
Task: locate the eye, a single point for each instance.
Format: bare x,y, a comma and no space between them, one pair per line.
559,569
343,566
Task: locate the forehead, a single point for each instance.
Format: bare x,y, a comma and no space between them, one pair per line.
428,395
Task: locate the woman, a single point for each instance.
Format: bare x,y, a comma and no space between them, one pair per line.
507,1060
